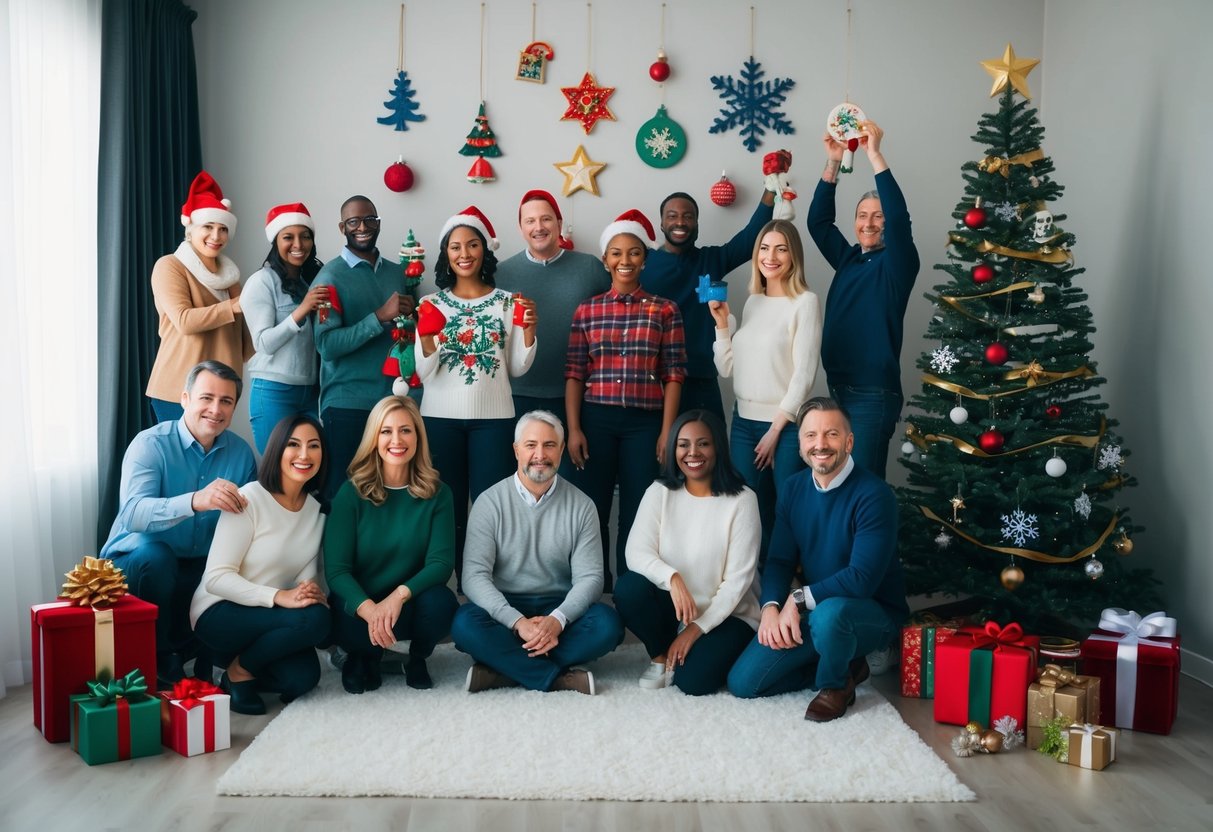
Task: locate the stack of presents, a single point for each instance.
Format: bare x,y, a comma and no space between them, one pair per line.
94,655
1125,675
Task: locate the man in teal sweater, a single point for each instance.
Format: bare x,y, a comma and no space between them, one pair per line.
532,572
356,337
838,522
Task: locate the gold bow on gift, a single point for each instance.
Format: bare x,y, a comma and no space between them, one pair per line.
999,164
94,582
1055,676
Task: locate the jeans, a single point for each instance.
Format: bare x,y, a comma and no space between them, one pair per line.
155,574
272,401
275,644
424,620
767,483
701,393
163,411
622,448
471,455
597,632
874,412
834,633
343,429
648,611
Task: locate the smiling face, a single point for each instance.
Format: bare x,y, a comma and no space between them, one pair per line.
540,228
208,406
302,455
538,452
361,232
825,443
774,257
869,224
624,259
465,252
680,223
695,453
208,239
295,245
397,445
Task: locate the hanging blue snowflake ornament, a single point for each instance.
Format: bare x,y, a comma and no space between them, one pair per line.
661,142
401,105
751,104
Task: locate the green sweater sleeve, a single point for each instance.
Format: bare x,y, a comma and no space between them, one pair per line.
340,544
440,551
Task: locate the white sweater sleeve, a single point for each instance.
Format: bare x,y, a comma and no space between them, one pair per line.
233,538
518,356
643,552
722,349
806,352
741,560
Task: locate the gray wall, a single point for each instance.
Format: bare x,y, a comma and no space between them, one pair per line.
313,77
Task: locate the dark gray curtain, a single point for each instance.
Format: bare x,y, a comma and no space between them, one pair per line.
151,149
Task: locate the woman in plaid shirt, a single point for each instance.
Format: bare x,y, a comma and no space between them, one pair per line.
623,379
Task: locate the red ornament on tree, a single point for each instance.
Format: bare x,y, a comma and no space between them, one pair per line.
398,177
723,192
1053,411
975,218
997,353
660,70
982,273
991,441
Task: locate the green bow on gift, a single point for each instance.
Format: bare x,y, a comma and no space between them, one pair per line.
108,691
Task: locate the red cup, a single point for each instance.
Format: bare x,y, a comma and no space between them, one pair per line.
519,312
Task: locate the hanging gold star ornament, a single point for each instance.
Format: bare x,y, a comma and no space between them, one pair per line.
580,173
1010,69
587,103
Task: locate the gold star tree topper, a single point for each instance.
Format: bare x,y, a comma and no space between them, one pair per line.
1010,69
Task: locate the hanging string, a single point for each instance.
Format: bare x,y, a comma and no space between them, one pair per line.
661,42
847,91
533,21
589,40
400,45
482,52
751,31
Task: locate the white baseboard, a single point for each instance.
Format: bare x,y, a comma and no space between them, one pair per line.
1197,666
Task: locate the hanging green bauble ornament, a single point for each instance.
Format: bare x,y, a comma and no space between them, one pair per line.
661,141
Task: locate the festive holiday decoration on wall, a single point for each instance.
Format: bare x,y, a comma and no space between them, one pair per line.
661,142
401,106
845,124
659,70
580,173
724,192
532,61
752,104
587,103
775,168
398,177
481,142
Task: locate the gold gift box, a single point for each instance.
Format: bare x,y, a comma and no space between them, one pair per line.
1092,746
1057,692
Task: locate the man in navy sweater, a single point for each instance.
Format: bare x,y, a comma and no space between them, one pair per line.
838,522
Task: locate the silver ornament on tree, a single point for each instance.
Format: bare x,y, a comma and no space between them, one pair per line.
958,414
1093,568
907,447
1055,467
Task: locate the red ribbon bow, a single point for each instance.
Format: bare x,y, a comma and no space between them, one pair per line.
995,634
190,692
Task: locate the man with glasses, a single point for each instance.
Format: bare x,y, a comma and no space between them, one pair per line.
368,292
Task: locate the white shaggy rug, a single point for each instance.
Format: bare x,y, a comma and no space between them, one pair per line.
625,743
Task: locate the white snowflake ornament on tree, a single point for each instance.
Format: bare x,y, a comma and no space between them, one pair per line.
1006,211
1019,527
1082,505
1109,457
943,360
943,540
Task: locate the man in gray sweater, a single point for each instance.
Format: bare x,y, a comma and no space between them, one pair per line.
532,573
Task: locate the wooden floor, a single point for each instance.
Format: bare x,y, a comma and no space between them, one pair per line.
1158,783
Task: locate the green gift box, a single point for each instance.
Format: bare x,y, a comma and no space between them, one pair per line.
115,721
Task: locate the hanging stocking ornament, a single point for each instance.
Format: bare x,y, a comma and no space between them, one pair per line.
844,123
401,106
398,177
661,141
724,192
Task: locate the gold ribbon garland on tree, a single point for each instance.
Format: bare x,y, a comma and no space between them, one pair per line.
1049,378
1039,557
94,582
964,447
1045,255
1001,164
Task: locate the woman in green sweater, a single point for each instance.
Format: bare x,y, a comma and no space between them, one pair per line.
389,549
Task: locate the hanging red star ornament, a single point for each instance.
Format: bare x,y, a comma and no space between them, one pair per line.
587,103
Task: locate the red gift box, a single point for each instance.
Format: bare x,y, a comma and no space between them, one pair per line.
195,718
983,673
1137,662
918,643
73,645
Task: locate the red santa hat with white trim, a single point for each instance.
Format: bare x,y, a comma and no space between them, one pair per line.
284,216
473,218
629,222
206,204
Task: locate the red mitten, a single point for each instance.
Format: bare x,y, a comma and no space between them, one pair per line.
430,319
779,161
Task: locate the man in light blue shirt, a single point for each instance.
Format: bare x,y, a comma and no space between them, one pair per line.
176,478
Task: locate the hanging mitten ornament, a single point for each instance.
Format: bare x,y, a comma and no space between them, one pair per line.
775,167
845,124
430,319
724,193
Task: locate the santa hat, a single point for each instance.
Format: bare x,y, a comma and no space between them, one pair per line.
629,222
206,204
284,216
471,217
532,196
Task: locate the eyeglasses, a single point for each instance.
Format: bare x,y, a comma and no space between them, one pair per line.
353,222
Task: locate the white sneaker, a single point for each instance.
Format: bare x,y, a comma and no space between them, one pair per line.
884,660
655,676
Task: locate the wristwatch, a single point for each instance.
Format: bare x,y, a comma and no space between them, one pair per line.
798,599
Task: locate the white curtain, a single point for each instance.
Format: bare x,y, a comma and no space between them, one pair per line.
50,68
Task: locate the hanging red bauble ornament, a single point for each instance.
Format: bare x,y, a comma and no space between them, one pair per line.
975,218
1053,411
991,441
982,273
997,353
723,192
660,70
398,177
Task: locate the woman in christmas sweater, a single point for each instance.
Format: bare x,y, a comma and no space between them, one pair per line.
389,548
197,295
693,551
471,343
258,605
773,360
623,379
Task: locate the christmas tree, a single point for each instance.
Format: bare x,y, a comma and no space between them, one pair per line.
481,141
1014,471
401,104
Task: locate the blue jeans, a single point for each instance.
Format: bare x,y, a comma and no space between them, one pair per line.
834,633
272,401
163,411
874,412
424,621
701,394
648,611
343,428
767,483
157,575
275,644
597,632
622,446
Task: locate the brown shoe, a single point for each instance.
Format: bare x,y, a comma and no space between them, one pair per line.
829,704
576,679
482,677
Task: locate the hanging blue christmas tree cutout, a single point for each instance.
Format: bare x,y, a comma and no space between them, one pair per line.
401,104
751,104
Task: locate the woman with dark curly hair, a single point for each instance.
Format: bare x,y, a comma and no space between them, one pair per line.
472,339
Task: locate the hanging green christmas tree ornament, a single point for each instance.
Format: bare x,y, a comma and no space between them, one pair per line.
661,142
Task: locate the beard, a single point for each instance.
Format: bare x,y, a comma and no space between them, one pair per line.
692,236
539,475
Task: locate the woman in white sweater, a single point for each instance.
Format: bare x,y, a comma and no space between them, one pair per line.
692,554
259,605
471,342
773,359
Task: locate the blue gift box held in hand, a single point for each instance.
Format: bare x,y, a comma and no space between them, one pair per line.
709,290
